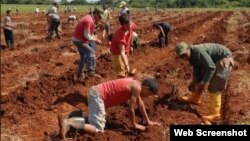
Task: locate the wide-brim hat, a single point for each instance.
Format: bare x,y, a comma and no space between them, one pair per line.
123,3
99,11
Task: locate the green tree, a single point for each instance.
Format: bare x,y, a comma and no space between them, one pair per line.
79,2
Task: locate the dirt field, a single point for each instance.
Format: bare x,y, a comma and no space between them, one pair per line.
38,77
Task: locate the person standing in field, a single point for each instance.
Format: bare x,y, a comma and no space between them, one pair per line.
106,21
17,10
121,46
52,10
8,30
163,37
37,11
212,64
54,24
124,7
85,41
53,21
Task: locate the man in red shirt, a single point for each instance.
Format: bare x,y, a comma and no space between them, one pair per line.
113,93
121,46
85,41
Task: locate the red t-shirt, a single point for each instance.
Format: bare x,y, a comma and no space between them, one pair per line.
120,37
86,23
116,91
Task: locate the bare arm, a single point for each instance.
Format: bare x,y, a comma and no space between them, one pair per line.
131,110
142,109
90,37
144,113
124,56
135,93
162,31
136,90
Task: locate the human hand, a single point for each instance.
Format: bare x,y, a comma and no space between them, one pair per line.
127,68
191,86
98,41
131,50
140,127
154,123
104,35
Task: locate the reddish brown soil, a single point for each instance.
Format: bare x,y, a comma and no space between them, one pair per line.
38,77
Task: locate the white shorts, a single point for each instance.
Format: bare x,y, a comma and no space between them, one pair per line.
96,110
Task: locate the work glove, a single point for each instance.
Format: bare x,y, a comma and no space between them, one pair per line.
203,87
191,87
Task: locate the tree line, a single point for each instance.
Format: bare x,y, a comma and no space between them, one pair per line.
148,3
180,3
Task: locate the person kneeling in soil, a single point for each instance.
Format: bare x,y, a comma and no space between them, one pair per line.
164,28
113,93
212,64
121,46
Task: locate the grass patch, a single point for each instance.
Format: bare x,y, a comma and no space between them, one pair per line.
23,8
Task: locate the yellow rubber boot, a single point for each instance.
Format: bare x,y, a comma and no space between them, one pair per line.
195,98
215,107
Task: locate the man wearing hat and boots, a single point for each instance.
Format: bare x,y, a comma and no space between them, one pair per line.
114,93
212,64
85,41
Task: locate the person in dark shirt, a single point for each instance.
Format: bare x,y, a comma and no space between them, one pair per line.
212,64
164,28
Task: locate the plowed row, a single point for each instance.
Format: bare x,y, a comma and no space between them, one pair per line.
38,77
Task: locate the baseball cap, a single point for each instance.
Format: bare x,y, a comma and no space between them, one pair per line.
181,48
151,83
122,3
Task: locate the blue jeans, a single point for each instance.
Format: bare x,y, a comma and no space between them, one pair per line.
87,51
54,28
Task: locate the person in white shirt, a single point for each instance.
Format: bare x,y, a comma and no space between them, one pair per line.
37,11
52,12
124,7
8,30
72,18
54,23
105,20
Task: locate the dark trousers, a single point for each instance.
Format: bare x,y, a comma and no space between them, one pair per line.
163,41
9,38
54,28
